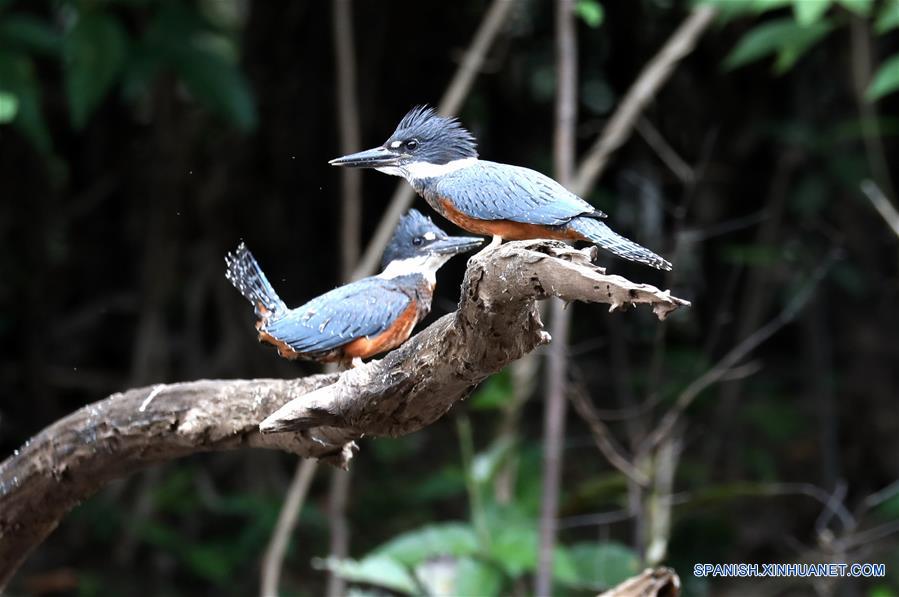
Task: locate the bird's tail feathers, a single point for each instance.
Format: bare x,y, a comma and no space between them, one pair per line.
598,233
247,277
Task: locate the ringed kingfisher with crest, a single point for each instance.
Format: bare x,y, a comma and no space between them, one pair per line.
360,319
439,158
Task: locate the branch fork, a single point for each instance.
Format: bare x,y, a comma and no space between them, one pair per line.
497,322
319,416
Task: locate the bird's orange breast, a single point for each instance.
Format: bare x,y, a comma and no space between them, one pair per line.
398,332
506,229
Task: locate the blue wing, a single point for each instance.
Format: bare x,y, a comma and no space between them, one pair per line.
492,191
366,307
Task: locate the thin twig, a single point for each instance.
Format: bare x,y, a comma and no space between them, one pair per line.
604,440
644,89
350,229
350,240
818,494
449,105
287,520
869,536
877,498
339,548
348,125
598,519
735,355
835,502
881,204
663,149
861,67
557,360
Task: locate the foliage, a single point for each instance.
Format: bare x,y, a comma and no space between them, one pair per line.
785,38
886,80
123,260
98,54
790,37
454,558
590,11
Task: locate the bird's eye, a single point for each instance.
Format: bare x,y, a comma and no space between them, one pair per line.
417,241
411,144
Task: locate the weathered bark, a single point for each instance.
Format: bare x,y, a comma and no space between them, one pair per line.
496,323
318,416
652,582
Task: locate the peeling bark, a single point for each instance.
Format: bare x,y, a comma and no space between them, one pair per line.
318,416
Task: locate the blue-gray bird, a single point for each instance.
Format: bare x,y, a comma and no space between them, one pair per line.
360,319
439,158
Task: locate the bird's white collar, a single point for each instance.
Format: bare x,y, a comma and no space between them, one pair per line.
422,170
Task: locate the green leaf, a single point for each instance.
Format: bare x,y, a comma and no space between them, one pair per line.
179,39
514,546
859,7
564,570
29,33
210,561
380,571
881,591
9,105
417,546
809,12
474,577
886,79
888,18
590,11
729,10
599,566
17,78
784,37
220,86
94,52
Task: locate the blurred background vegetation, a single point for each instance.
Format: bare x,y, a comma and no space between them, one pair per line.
142,139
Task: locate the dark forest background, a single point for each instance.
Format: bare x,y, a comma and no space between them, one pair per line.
143,139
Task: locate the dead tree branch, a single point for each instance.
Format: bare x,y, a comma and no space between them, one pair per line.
652,582
273,559
410,388
496,323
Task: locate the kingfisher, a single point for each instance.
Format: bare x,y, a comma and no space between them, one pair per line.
439,158
360,319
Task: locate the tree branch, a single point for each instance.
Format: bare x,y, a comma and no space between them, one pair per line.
273,559
496,323
555,404
644,89
410,388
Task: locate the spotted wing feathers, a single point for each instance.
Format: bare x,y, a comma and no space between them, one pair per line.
367,307
601,235
247,277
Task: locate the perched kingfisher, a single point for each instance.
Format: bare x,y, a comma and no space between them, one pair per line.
439,158
360,319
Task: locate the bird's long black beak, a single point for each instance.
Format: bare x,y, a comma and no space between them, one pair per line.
370,158
454,245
